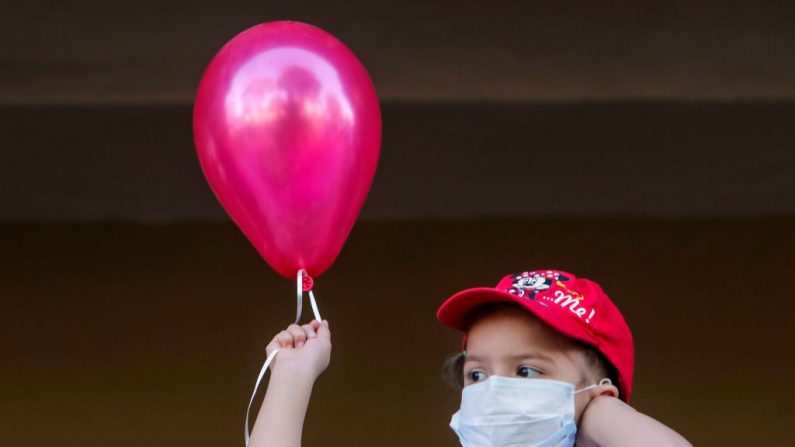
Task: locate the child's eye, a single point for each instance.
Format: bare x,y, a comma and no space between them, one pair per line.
476,376
526,371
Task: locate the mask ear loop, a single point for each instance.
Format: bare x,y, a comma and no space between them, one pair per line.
304,283
605,381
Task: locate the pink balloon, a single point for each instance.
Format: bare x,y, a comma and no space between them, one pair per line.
288,132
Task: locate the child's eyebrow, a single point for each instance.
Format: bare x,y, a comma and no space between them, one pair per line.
528,355
472,358
531,355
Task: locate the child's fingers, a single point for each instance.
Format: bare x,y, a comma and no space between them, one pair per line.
323,331
272,346
284,339
299,336
310,331
295,336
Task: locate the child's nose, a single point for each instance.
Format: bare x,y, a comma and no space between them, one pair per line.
505,372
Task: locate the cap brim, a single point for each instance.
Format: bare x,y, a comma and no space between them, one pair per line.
456,310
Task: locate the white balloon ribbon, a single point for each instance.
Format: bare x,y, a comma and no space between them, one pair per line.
265,366
300,287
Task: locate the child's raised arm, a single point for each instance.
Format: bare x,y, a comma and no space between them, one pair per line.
304,353
609,422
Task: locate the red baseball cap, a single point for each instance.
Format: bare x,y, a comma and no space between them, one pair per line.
575,307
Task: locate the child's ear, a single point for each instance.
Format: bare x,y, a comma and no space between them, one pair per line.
605,388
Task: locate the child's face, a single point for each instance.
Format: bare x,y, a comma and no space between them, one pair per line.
516,344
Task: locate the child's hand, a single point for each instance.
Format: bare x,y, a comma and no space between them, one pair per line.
303,350
304,353
609,422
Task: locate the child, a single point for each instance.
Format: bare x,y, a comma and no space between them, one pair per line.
547,360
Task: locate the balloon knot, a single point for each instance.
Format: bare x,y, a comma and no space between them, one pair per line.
307,282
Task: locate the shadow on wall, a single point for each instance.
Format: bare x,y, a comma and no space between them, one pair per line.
463,160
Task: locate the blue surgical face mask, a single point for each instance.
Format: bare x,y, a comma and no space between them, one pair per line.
514,412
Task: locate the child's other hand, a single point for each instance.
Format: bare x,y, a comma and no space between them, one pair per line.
304,351
609,422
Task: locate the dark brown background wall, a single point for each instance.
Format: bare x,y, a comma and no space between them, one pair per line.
138,51
647,145
153,335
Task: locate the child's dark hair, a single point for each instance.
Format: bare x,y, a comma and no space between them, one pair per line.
453,369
